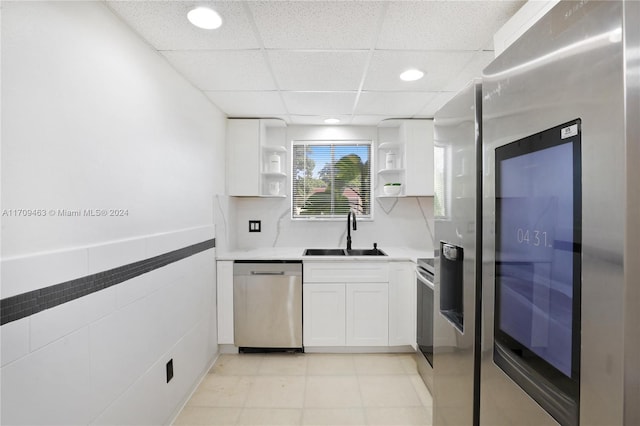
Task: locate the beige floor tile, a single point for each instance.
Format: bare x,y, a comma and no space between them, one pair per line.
276,392
337,389
222,391
330,365
270,416
377,364
208,416
408,362
333,416
284,364
422,390
388,391
404,416
237,365
332,391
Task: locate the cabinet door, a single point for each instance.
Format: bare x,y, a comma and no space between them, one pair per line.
323,307
244,153
418,138
367,318
402,304
225,302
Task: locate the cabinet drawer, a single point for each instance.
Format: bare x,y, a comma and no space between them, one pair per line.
345,272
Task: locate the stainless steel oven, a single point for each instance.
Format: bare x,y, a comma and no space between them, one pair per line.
424,326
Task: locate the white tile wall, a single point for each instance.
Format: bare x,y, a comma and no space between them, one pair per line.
51,324
23,274
14,340
49,386
162,243
142,403
114,343
108,256
132,290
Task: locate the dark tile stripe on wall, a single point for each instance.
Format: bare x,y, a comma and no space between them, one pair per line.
23,305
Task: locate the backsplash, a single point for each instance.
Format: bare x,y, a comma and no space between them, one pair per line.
399,222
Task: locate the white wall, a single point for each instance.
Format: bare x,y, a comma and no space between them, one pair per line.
401,222
93,118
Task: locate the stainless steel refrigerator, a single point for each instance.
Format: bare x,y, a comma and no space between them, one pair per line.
457,140
557,305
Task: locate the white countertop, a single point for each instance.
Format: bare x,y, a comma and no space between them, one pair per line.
394,254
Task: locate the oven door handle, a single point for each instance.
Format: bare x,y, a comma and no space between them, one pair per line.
424,280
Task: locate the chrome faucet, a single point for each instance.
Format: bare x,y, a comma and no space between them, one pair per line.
349,227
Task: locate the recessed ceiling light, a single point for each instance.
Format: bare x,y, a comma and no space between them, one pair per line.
203,17
331,120
411,75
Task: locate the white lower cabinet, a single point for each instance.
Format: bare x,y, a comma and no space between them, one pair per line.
225,302
402,304
339,313
354,314
324,310
367,315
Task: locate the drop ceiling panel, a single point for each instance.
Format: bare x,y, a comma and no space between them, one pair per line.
439,67
316,24
308,60
396,104
224,69
313,70
248,104
368,120
438,101
319,103
472,70
318,120
443,25
165,26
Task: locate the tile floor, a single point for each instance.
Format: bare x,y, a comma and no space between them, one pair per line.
310,389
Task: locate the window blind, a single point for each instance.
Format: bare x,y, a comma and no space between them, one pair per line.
330,178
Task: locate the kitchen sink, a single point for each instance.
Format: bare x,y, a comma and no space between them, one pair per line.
343,252
366,252
324,252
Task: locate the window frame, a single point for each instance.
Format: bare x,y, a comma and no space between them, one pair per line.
330,142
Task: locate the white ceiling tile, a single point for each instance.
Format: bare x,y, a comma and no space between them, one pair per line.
368,120
404,104
473,69
444,25
319,103
439,67
248,104
305,60
223,69
316,120
165,26
318,71
316,24
436,103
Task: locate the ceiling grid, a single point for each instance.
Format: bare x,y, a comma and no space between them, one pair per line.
304,61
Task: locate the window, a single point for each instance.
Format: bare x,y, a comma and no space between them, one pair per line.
330,178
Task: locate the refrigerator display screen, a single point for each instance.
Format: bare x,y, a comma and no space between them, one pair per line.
538,222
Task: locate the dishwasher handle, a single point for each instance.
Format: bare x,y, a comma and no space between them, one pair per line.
267,272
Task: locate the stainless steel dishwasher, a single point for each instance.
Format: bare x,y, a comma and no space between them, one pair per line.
267,305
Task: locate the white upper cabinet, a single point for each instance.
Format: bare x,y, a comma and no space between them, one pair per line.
405,158
257,158
418,140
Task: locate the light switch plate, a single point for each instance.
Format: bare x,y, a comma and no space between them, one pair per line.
254,226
